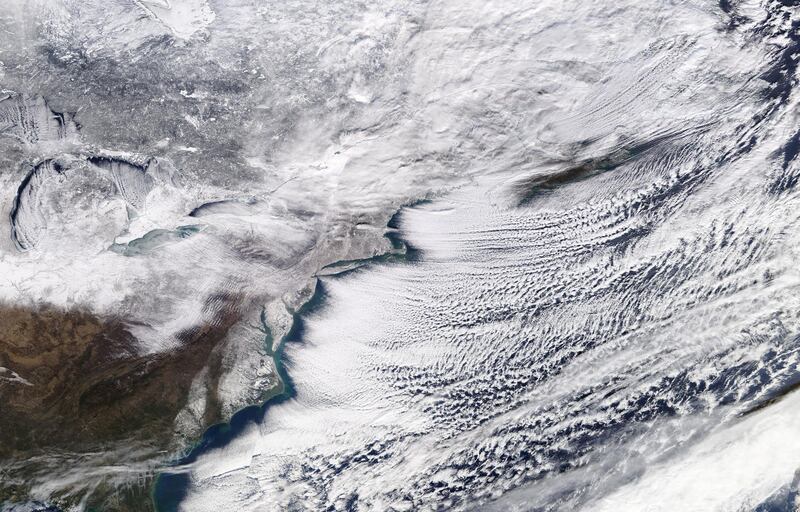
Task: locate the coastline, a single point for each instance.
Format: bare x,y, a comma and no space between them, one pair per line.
170,488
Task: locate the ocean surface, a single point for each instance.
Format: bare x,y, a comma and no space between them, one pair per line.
610,324
486,255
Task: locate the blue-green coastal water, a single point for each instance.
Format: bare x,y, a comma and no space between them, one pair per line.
171,486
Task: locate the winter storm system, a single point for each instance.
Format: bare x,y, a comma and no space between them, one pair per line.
406,255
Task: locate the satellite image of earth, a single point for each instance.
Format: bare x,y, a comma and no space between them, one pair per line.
407,255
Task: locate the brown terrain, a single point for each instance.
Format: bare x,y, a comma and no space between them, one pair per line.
85,388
